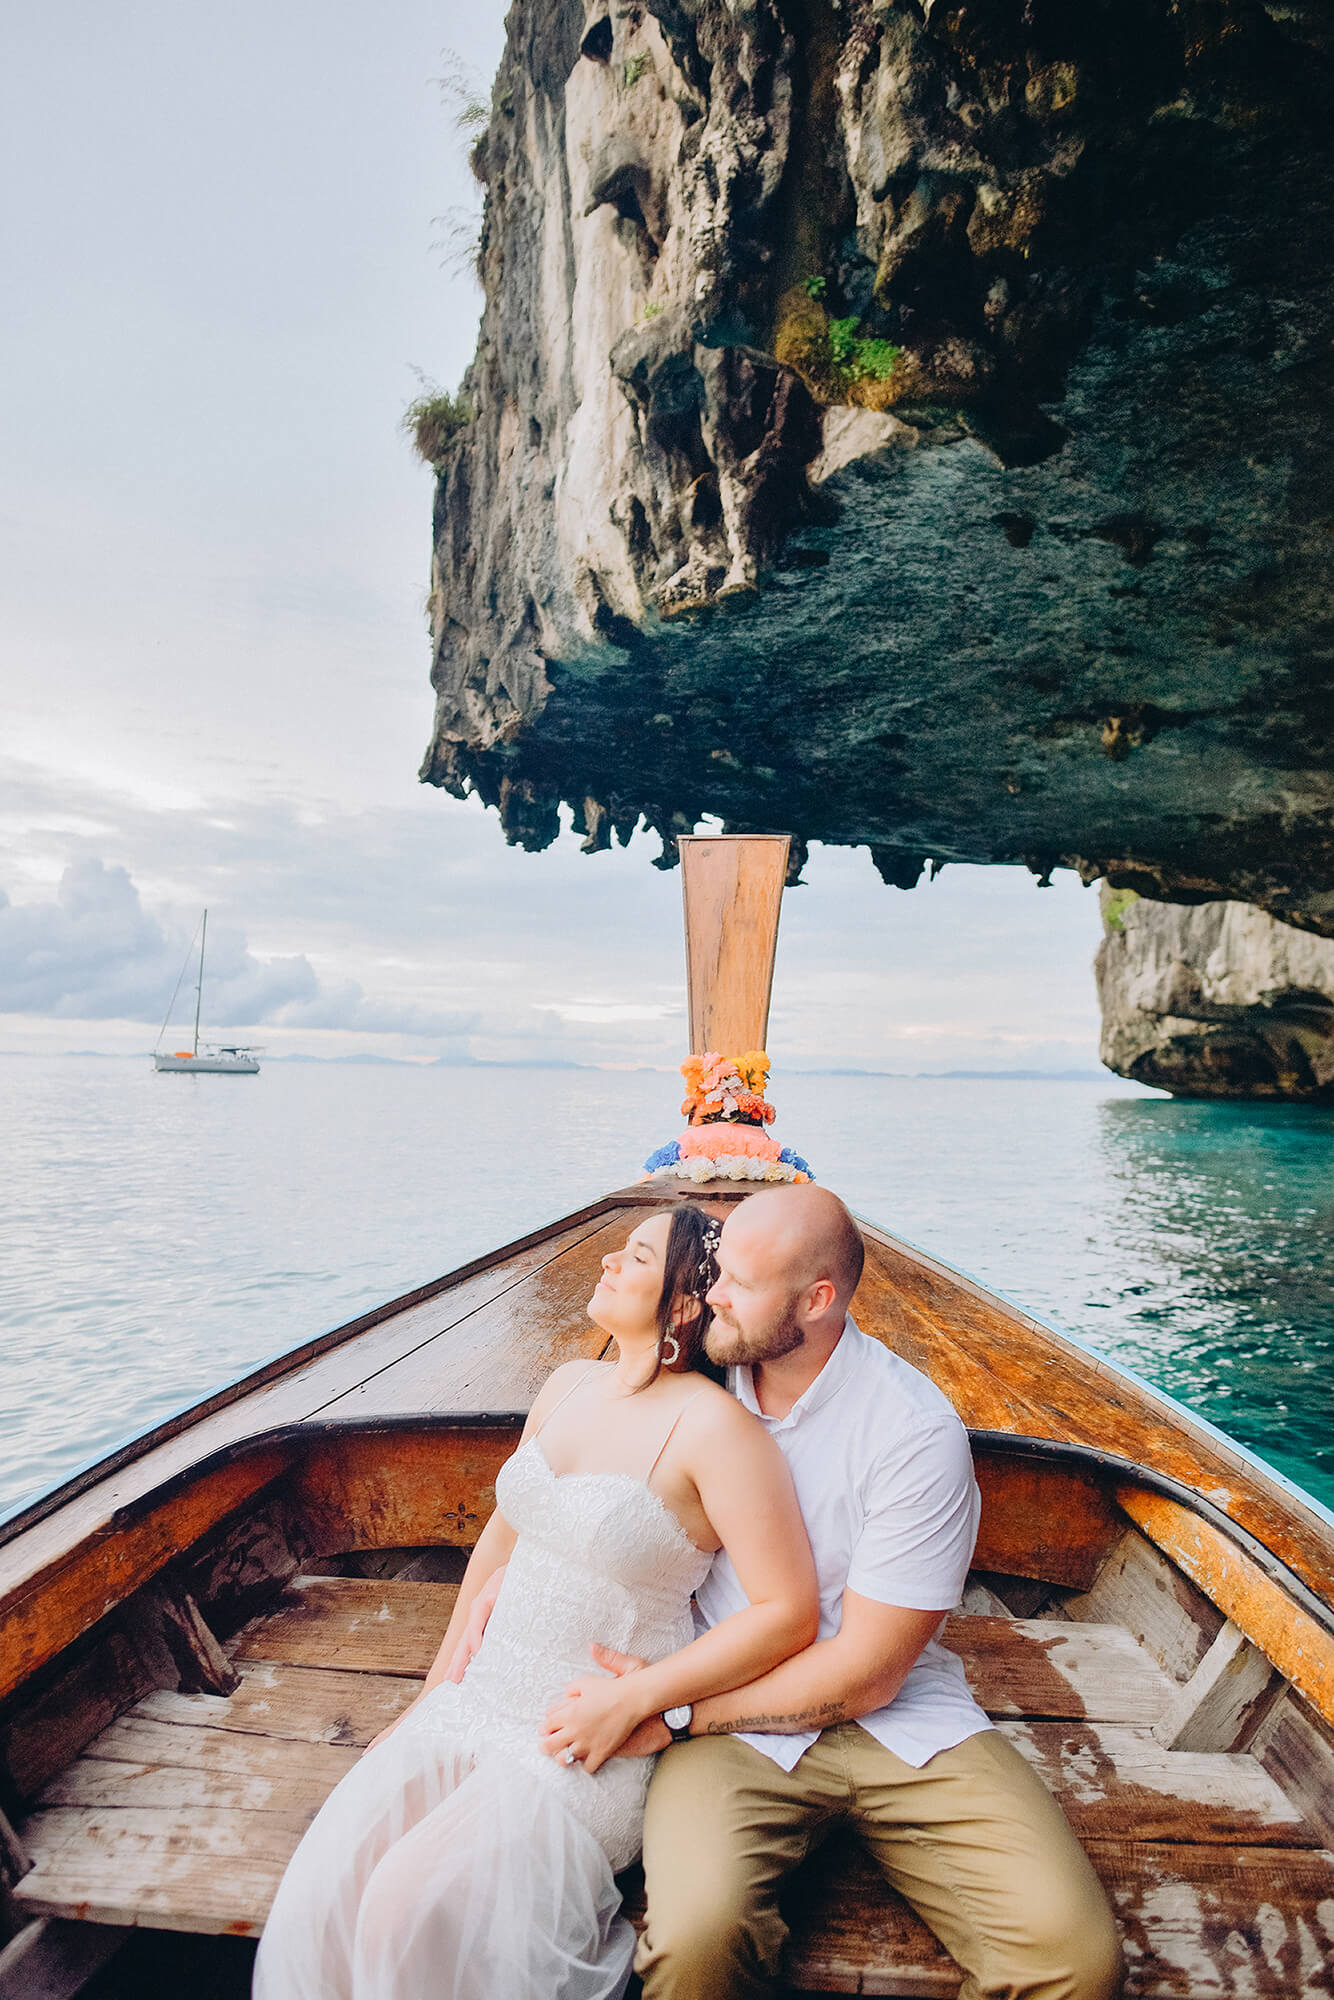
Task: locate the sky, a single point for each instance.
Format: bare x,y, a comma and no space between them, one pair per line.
227,251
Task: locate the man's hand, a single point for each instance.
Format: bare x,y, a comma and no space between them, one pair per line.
598,1719
652,1734
616,1663
482,1606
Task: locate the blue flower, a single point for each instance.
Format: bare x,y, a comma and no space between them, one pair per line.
666,1156
791,1159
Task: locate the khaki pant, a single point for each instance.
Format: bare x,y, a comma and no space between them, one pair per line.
973,1840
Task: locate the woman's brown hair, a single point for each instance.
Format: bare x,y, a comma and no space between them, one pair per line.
689,1270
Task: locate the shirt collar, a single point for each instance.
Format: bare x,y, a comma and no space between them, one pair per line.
827,1383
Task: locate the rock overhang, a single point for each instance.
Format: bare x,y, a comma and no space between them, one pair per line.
1054,589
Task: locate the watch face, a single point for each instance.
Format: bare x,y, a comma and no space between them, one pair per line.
678,1718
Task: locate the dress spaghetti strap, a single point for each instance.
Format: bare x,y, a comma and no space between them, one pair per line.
578,1383
648,1476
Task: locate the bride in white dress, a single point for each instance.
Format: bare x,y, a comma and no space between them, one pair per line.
460,1859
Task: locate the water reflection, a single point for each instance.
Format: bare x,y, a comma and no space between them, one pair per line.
157,1237
1217,1282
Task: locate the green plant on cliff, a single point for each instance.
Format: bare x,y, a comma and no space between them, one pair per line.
873,360
461,227
434,420
636,67
860,357
1115,903
463,88
814,286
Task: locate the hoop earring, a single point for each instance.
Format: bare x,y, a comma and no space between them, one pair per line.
669,1360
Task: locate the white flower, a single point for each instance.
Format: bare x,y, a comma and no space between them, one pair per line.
727,1167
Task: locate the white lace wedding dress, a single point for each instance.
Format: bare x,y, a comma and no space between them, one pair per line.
456,1861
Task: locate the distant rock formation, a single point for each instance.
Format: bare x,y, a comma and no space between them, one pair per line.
1217,1000
907,424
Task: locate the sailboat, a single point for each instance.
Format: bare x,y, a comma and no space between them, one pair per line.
225,1059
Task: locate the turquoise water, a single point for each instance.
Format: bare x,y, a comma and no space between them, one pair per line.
158,1235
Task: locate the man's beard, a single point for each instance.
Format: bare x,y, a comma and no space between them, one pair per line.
726,1344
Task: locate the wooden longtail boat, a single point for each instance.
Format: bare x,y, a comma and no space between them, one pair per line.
199,1634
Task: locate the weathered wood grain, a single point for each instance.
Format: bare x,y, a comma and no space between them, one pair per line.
1297,1748
310,1704
104,1676
732,888
1223,1702
373,1488
1117,1782
388,1627
296,1784
213,1870
1037,1667
1016,1666
1302,1650
1160,1607
1051,1522
142,1740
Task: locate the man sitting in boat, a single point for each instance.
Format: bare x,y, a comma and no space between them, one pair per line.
872,1725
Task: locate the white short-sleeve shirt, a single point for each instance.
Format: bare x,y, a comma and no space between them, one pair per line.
884,1475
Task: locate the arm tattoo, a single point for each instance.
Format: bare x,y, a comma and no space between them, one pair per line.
781,1725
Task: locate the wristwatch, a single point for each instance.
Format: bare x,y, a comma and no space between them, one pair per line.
678,1721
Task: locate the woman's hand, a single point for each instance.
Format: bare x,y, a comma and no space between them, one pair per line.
593,1720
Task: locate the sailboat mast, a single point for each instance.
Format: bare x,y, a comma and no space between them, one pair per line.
199,983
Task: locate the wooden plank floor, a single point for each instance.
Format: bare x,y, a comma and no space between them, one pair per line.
183,1812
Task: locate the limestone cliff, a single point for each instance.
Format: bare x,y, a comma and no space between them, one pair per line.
1218,1000
909,424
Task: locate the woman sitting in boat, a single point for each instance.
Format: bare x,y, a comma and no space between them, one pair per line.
459,1861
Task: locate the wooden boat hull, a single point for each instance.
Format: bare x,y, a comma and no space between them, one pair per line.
1149,1616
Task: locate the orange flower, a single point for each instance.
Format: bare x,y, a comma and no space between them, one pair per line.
725,1087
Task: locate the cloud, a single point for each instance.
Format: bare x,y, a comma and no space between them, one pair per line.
346,1007
95,953
415,931
606,1013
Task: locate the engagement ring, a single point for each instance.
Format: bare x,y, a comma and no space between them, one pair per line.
567,1756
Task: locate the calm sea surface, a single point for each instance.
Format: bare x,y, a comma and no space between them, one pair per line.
160,1234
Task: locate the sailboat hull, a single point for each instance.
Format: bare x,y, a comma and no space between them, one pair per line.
214,1065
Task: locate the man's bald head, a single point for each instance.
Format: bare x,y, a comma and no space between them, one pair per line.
789,1261
803,1233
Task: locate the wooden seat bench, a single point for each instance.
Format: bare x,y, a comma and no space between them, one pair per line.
183,1812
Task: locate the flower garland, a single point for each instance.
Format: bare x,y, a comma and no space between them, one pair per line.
730,1087
726,1139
